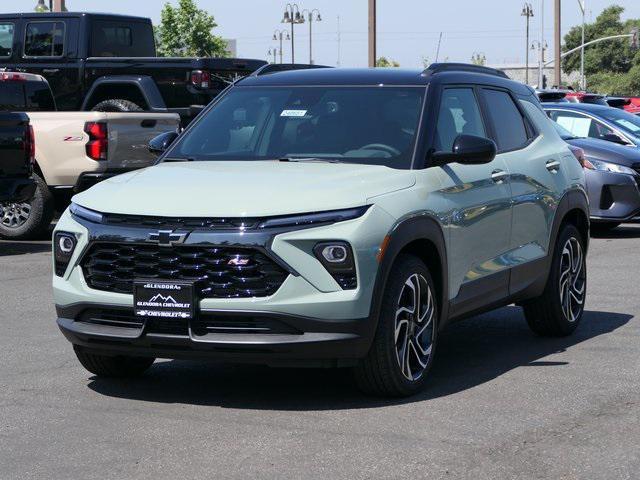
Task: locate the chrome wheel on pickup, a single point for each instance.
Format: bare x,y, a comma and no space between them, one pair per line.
30,219
14,215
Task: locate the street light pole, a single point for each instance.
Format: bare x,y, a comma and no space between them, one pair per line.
527,11
278,35
557,47
583,83
318,18
541,47
292,16
372,33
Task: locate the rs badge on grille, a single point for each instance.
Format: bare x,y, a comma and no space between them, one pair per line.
167,238
238,262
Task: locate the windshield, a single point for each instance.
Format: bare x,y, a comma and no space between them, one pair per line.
625,121
373,125
563,132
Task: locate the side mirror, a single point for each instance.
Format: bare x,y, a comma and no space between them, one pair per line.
160,143
612,137
467,150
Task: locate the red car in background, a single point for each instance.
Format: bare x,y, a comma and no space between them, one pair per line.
633,106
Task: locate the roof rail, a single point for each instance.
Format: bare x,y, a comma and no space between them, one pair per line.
462,67
283,67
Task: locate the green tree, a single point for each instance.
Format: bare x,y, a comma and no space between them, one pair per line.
479,59
386,62
187,31
610,66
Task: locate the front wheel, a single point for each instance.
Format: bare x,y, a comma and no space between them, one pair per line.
558,311
114,367
402,352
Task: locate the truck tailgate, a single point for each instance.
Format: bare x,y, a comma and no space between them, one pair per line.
129,135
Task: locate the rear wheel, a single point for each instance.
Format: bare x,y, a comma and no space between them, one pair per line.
117,105
402,352
115,367
26,220
558,311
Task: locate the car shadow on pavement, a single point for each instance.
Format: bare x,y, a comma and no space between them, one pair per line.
470,353
20,248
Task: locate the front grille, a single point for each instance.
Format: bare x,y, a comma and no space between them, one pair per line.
180,222
216,272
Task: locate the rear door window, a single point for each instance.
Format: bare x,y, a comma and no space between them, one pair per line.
117,39
459,114
6,39
44,39
508,123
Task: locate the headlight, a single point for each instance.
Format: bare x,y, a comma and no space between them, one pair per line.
308,219
337,258
601,166
86,214
64,244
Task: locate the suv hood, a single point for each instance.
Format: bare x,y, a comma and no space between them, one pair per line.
238,189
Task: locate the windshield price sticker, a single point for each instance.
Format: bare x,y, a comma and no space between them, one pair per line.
293,113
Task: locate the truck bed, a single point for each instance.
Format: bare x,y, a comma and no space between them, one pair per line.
61,142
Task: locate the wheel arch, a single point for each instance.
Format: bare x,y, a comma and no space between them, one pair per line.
420,235
141,90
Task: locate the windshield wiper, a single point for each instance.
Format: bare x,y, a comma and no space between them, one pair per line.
309,159
179,159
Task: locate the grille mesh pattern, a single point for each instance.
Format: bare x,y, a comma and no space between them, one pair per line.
216,272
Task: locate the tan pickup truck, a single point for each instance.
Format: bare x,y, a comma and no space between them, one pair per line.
73,151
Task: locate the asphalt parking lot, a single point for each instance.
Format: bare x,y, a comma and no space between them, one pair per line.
502,402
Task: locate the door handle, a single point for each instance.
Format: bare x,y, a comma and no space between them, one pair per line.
498,176
50,70
553,166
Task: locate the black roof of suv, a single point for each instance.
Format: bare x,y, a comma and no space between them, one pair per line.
437,72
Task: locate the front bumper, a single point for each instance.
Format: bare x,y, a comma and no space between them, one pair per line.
16,189
323,323
244,337
613,196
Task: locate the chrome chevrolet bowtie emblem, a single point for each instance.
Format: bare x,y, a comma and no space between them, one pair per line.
167,238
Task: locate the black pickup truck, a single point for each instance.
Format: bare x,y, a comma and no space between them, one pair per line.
16,163
109,63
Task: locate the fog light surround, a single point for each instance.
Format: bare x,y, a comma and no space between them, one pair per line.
337,258
64,244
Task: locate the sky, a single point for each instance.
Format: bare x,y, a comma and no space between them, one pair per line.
408,30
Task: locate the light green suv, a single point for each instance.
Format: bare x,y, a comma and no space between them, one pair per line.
329,217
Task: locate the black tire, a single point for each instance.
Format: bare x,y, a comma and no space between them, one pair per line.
380,373
545,314
112,367
41,213
117,105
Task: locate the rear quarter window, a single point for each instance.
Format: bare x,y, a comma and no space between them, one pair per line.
508,122
117,39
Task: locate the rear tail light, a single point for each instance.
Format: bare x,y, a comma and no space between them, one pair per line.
98,144
580,156
12,77
30,144
200,78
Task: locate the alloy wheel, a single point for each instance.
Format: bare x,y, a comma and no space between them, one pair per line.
14,215
572,279
414,327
